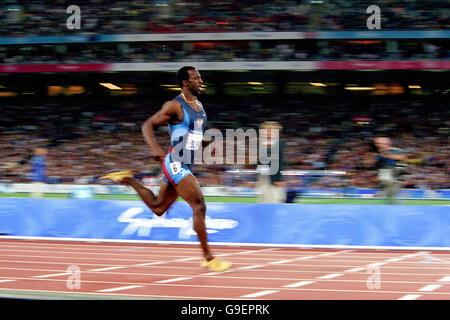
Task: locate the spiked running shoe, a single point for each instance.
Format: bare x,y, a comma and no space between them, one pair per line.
118,176
216,265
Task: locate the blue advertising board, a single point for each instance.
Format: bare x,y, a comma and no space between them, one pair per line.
284,224
362,34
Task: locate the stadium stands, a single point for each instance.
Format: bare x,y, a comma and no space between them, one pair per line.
45,17
87,138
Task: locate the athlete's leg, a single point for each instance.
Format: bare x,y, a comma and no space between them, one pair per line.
158,204
189,189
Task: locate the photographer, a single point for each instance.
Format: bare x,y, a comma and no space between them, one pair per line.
271,186
389,167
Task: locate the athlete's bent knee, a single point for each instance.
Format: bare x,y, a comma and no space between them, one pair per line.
199,207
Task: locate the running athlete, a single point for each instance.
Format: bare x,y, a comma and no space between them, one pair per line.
186,119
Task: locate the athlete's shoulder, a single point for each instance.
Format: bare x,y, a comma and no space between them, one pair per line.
172,105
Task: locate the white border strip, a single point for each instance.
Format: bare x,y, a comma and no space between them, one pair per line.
234,244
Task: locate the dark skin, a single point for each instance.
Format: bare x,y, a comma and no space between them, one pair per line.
188,188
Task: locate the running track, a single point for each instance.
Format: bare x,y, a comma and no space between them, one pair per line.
114,270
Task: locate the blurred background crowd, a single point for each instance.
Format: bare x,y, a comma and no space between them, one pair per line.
87,138
47,17
242,50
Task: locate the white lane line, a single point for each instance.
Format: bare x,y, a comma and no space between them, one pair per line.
298,284
119,288
305,258
330,276
326,254
173,280
7,280
52,275
245,252
210,273
106,269
393,259
445,279
150,263
251,267
376,264
185,259
259,294
281,261
430,287
354,270
410,297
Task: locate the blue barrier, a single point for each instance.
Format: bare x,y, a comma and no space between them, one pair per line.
362,34
285,224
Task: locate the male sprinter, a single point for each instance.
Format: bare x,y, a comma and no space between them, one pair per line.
186,119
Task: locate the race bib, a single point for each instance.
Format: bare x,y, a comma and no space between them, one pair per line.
194,140
175,167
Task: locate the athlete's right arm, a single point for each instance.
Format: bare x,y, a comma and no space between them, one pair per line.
169,110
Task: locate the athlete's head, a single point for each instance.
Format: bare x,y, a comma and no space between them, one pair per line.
189,77
383,142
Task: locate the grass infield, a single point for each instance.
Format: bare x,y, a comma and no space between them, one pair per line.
242,199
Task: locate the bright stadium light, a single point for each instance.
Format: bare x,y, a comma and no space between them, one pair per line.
256,83
318,84
359,88
110,86
414,86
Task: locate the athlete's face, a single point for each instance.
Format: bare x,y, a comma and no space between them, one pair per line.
195,82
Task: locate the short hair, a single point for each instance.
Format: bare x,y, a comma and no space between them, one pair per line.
271,125
183,74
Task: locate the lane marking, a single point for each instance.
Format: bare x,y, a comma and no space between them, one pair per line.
259,294
376,264
326,254
393,259
298,284
185,259
173,280
149,263
119,288
52,275
106,269
281,261
430,287
410,297
251,267
330,276
445,279
354,270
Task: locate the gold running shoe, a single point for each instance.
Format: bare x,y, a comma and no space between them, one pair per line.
118,176
216,265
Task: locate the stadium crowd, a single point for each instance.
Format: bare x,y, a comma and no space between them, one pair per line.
48,17
280,50
85,142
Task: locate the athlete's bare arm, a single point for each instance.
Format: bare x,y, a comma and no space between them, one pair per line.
170,112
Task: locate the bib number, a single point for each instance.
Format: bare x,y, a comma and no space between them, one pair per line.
175,167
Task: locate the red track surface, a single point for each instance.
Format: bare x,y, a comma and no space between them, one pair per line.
174,272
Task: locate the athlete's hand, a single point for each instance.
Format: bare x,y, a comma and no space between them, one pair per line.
157,153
